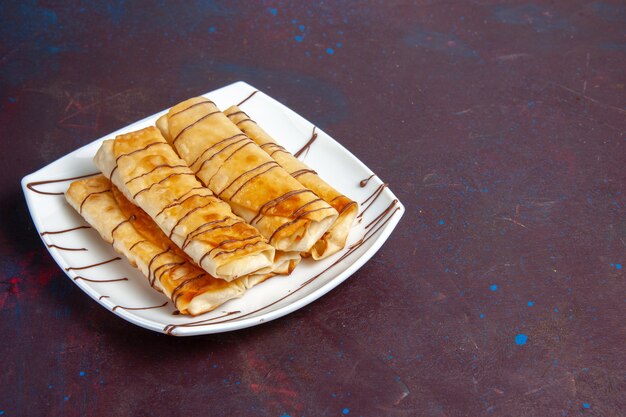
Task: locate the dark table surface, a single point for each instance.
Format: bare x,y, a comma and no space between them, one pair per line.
500,125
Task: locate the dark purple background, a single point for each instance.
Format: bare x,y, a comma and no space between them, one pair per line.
500,125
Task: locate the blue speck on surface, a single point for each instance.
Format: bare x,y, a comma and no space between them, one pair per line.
212,29
441,222
556,310
293,21
65,398
338,45
481,315
298,38
330,51
11,99
285,415
81,373
618,266
586,405
1,412
521,339
345,410
273,11
493,287
485,190
301,27
531,303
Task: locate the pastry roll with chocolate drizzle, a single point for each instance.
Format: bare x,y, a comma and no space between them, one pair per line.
150,174
335,238
135,235
237,170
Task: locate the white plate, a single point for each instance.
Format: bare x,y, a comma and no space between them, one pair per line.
135,301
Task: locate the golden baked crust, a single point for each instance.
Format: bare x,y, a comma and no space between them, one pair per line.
133,234
289,215
335,238
149,173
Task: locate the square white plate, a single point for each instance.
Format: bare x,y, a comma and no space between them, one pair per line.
134,300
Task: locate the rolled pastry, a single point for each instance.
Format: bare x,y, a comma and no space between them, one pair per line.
237,170
134,235
149,173
335,238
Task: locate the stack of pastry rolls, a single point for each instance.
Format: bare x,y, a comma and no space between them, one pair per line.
206,204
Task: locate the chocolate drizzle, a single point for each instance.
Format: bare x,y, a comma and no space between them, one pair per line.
278,200
170,327
374,196
140,308
175,174
64,231
154,169
364,182
100,280
299,172
192,125
247,98
249,180
371,229
214,145
103,296
152,260
192,106
76,268
80,210
244,139
178,200
129,220
307,145
31,185
63,248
